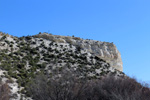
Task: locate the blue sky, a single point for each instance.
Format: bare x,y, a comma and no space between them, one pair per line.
126,23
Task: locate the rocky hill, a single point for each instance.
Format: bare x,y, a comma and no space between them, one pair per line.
104,50
21,59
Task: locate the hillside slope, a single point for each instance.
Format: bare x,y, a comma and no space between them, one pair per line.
21,59
105,50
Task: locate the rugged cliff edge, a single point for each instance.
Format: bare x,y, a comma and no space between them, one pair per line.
104,50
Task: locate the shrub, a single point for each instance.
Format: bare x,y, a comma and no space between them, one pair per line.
70,88
3,38
4,92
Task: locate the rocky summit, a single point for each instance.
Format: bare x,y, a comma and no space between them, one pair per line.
22,58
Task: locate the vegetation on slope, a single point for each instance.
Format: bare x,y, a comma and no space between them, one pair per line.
70,88
48,70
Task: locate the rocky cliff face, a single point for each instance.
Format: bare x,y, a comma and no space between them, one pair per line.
104,50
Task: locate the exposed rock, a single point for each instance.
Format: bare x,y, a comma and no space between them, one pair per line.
23,58
104,50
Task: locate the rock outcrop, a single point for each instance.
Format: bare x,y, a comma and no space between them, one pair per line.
104,50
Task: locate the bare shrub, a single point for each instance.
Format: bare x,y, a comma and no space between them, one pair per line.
4,92
64,88
120,88
70,88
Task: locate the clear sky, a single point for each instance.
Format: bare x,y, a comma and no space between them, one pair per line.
126,23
